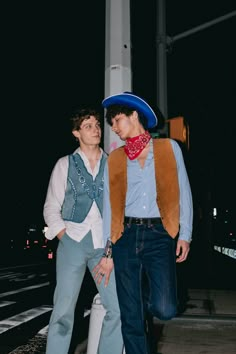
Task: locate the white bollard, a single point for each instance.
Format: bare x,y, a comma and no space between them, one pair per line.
95,325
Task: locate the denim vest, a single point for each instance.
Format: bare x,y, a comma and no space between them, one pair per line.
82,190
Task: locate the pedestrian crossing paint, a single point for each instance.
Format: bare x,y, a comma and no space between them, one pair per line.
43,331
17,320
24,289
6,303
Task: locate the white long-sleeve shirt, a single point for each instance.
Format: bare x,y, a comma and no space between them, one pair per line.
54,200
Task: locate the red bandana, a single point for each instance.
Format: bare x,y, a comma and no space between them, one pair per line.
134,146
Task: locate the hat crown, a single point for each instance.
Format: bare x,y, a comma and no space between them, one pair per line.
131,100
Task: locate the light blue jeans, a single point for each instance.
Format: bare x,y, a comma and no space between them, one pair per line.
72,259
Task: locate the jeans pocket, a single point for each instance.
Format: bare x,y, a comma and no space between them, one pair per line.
159,229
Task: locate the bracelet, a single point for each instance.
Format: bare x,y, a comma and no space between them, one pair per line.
108,250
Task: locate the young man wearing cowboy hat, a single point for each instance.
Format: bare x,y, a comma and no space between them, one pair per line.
147,216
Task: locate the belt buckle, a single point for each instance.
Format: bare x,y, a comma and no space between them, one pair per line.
140,221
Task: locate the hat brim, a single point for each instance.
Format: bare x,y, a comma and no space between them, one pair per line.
135,102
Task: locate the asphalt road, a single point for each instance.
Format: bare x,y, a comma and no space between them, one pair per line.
26,299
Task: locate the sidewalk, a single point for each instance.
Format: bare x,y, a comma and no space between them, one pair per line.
207,326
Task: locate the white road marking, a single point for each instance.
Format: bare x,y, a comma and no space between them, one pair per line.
23,317
10,275
24,289
6,303
43,331
23,278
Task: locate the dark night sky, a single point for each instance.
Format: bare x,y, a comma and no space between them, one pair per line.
54,61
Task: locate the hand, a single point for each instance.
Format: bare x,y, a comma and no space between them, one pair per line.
182,250
61,233
103,270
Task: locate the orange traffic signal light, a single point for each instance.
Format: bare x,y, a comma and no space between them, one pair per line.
179,130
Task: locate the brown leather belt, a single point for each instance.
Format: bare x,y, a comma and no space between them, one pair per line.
141,221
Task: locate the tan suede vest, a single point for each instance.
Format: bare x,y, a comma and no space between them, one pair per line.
166,184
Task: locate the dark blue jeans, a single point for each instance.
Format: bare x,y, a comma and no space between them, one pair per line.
150,250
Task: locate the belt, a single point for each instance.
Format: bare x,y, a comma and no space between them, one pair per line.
141,221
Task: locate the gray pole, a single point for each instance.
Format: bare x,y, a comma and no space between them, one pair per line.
202,26
118,74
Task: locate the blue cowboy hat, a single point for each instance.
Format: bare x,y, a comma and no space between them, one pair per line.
135,102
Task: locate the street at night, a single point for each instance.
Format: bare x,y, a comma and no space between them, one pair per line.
27,294
26,304
180,57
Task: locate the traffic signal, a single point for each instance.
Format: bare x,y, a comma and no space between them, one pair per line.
179,130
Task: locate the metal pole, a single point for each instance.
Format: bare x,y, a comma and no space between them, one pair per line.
203,26
117,59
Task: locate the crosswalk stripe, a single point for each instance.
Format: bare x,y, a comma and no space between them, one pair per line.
9,275
24,289
43,331
23,317
6,303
